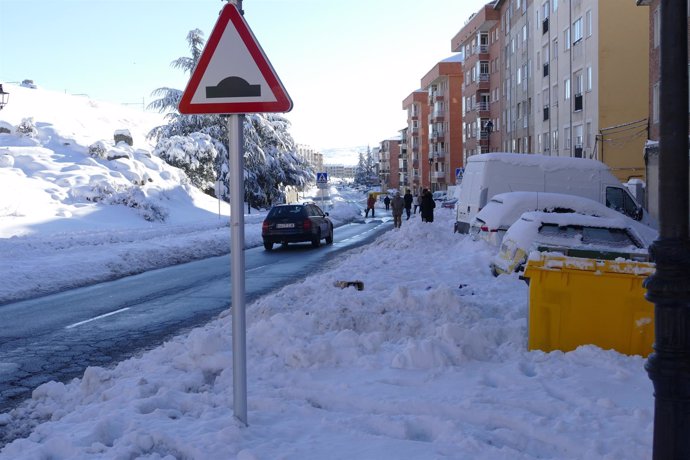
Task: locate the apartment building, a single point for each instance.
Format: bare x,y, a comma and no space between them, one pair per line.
340,171
403,160
417,106
479,45
311,155
389,170
591,84
443,84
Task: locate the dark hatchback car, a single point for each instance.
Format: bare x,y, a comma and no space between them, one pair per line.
296,223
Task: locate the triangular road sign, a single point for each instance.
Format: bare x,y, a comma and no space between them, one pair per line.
233,74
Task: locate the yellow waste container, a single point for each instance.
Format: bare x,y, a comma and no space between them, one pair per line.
575,301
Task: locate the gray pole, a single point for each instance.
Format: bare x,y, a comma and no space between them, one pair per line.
239,324
669,287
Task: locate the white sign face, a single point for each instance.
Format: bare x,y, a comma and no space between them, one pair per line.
232,75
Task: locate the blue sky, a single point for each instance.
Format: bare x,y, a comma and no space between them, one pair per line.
347,65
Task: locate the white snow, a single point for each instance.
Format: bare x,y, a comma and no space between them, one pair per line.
428,361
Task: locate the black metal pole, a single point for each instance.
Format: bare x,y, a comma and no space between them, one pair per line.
669,287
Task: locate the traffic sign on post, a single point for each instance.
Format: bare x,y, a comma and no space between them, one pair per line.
322,178
233,74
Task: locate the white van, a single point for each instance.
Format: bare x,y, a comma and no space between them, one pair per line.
489,174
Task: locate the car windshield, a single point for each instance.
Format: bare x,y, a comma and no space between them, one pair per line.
611,237
286,211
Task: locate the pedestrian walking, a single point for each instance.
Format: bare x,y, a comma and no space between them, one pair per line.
387,202
398,204
408,203
427,206
371,201
415,202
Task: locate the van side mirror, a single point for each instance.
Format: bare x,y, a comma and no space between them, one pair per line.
639,213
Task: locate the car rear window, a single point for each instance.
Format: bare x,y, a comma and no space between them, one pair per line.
286,211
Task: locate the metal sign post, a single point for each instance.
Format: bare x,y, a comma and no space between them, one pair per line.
234,76
239,321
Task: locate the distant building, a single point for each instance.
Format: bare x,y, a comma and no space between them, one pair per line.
313,157
389,154
340,171
417,107
443,84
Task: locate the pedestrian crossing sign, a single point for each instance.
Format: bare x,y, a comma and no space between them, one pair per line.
322,178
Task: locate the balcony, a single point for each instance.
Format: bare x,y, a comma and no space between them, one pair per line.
438,176
482,108
439,155
437,136
437,116
480,49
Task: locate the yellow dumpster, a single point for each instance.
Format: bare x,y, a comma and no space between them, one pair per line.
575,301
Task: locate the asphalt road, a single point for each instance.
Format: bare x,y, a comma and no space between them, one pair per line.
56,337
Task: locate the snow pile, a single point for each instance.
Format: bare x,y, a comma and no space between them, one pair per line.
428,361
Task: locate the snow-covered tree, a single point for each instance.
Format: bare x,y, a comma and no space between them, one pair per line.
195,154
361,170
269,150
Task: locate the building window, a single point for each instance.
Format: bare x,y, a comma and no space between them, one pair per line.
554,139
657,27
566,135
655,103
588,86
555,48
567,89
555,6
566,36
588,22
588,135
577,30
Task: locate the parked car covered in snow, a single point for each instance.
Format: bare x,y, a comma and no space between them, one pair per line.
570,234
504,209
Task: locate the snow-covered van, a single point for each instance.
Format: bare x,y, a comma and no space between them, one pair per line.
492,173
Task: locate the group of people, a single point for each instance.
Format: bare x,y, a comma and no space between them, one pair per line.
424,202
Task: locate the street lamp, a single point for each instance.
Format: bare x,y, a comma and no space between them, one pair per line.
488,127
4,97
669,287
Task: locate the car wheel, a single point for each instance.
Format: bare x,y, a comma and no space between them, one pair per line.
316,242
268,245
329,237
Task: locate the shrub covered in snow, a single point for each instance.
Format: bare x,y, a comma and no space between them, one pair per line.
27,128
6,161
98,149
5,127
195,154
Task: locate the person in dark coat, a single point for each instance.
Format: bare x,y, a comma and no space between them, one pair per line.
387,202
428,206
408,203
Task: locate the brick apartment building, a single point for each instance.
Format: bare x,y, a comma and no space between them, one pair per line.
443,84
417,107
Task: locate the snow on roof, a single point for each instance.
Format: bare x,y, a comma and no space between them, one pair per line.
505,208
543,161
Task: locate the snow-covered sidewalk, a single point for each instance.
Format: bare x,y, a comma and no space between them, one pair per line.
412,367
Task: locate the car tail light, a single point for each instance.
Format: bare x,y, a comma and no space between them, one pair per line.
306,224
264,227
487,229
